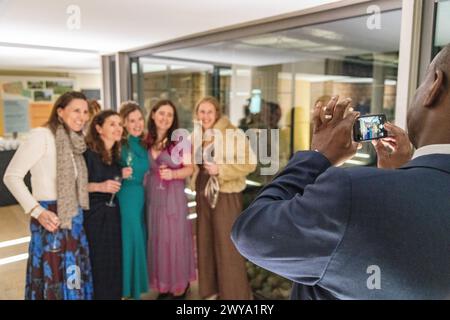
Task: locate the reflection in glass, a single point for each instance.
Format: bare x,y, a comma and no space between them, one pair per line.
274,79
442,28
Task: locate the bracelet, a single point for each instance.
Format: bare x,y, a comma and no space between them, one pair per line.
34,208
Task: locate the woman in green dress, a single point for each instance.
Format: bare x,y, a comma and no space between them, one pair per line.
132,201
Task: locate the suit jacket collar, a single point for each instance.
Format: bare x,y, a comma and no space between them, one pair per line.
434,161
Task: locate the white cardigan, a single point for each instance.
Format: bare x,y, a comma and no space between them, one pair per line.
37,155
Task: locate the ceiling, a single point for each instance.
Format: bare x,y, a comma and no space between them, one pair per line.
334,40
113,25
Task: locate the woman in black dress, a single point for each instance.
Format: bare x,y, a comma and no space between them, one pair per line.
102,221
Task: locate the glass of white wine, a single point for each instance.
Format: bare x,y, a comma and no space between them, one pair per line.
129,162
111,203
55,246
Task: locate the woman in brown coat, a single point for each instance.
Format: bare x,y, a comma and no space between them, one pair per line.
221,268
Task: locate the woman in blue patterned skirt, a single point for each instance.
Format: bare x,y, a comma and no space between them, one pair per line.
58,263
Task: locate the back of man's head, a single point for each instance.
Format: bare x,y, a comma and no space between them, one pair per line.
429,113
442,62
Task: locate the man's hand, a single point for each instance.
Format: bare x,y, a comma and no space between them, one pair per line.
333,127
395,150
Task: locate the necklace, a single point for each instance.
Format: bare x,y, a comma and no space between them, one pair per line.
159,145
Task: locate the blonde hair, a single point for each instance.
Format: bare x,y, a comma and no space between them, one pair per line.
214,102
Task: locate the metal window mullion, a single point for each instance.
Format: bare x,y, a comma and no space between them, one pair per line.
408,68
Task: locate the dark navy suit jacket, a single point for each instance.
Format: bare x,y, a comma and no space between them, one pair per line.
335,232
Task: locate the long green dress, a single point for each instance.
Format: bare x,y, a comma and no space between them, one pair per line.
132,200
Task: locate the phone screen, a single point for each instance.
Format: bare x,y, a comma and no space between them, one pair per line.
369,127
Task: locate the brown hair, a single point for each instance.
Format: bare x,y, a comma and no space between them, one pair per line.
94,108
62,102
126,108
214,102
95,142
152,135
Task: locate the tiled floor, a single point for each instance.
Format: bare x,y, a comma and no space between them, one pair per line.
14,224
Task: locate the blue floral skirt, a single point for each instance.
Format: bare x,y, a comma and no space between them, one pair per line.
58,265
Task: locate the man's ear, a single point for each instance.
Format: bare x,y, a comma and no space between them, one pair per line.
435,89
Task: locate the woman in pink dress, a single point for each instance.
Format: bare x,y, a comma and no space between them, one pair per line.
170,248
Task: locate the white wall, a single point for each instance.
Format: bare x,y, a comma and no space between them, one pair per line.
87,80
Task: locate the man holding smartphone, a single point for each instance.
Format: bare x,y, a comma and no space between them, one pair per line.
362,233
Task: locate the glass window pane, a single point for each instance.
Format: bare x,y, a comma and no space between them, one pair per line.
275,79
442,30
181,82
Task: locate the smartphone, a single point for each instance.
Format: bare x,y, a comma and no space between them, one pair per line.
369,127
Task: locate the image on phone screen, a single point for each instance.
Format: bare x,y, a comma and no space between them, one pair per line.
369,127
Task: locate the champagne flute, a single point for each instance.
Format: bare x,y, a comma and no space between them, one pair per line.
55,247
130,163
111,203
162,166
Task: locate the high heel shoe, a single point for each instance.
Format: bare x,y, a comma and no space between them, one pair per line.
183,295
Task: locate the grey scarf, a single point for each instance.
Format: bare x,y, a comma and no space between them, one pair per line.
72,188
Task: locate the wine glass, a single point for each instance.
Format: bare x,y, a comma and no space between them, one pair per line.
129,162
111,203
162,166
55,246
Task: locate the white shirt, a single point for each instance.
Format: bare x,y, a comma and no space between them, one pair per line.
432,149
37,155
